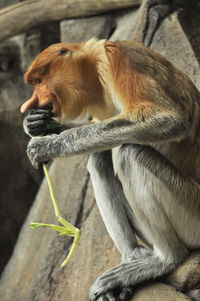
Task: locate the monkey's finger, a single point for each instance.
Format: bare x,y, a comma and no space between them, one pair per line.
36,124
44,109
37,117
35,129
36,132
103,298
110,296
40,112
125,294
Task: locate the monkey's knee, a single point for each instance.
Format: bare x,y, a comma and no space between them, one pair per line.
100,163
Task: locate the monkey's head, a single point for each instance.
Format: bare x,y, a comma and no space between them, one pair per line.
64,75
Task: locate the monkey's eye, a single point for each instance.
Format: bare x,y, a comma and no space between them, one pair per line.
63,51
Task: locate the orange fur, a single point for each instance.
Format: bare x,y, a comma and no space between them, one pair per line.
70,82
41,64
132,87
118,80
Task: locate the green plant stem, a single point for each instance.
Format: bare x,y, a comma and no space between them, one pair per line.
55,205
73,248
66,224
68,228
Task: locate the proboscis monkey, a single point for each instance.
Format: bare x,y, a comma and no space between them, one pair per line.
145,149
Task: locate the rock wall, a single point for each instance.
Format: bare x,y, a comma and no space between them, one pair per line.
19,181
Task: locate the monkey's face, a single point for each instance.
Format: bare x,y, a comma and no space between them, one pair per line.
41,97
57,78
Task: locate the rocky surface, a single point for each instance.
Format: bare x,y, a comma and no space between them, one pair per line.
187,275
19,181
18,185
33,272
78,30
159,292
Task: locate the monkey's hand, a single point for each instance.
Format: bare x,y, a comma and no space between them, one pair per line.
40,122
42,149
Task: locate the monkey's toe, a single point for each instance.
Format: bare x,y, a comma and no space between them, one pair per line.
117,294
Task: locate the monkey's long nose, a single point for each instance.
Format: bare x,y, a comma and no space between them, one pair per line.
30,103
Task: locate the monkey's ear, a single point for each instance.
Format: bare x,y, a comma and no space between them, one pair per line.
64,51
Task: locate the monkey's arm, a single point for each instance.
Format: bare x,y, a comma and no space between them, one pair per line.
155,125
40,122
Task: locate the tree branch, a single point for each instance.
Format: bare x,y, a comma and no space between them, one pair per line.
24,16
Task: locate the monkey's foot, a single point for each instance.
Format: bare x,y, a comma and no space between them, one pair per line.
118,294
110,286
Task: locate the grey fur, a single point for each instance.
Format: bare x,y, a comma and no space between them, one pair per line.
99,137
154,216
137,191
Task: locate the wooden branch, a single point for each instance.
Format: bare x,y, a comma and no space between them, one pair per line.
23,16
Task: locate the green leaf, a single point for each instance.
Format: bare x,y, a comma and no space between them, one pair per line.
68,228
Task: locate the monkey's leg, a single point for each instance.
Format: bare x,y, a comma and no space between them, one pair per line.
113,206
146,175
116,213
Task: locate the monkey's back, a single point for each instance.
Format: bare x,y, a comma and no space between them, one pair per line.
167,84
163,73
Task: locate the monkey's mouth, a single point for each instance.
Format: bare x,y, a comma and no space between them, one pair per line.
48,107
52,108
52,105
